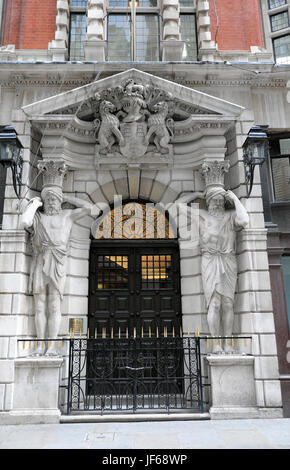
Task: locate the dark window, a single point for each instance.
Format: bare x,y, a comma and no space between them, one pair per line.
280,164
78,23
286,275
3,172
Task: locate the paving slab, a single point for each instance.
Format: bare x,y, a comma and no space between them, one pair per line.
210,434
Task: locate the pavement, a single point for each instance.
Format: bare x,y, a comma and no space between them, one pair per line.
204,434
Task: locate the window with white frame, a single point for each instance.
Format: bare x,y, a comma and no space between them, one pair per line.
133,30
279,18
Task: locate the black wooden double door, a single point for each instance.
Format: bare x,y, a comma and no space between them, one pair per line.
134,289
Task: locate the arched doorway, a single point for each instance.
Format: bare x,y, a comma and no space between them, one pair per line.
135,356
134,278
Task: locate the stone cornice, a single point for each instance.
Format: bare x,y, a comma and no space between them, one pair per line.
261,80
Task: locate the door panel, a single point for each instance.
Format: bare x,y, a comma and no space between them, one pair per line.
134,286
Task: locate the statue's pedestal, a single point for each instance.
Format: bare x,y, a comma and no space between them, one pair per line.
36,390
233,393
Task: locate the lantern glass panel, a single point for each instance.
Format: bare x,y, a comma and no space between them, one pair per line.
7,150
257,152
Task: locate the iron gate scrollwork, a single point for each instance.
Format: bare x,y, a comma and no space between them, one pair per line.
134,374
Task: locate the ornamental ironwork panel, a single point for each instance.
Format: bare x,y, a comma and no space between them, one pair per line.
134,374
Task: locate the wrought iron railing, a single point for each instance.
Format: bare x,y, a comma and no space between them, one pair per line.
134,374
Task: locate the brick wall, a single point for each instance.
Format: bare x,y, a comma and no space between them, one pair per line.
29,24
239,24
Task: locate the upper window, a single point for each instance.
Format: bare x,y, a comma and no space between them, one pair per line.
79,3
280,165
188,35
276,3
133,30
78,26
282,49
279,21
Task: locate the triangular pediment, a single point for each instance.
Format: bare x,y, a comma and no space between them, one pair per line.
191,101
133,118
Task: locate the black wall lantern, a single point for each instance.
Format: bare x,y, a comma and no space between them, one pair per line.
11,155
255,150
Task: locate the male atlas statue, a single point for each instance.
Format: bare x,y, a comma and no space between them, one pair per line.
50,228
217,232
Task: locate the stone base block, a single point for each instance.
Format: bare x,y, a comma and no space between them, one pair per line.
36,390
233,413
233,393
30,417
95,50
172,50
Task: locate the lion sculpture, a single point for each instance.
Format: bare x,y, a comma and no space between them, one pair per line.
107,128
160,127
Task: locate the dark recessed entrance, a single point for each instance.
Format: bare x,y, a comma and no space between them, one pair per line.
134,288
135,356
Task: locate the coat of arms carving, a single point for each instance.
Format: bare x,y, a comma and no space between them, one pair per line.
133,120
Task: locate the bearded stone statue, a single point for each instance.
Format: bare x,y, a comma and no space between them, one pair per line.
50,227
218,226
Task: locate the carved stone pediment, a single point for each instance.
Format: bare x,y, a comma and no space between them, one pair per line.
133,119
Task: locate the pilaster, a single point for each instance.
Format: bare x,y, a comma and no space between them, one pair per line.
95,44
59,46
172,46
207,47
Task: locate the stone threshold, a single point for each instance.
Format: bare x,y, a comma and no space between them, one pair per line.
93,418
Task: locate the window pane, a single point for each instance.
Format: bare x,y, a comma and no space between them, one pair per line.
284,146
118,3
276,3
147,3
79,3
127,3
281,178
119,38
187,3
77,35
282,49
286,275
147,38
279,21
188,34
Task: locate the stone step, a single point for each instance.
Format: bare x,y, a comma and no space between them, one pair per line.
134,417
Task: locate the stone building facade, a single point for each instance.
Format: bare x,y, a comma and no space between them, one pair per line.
221,69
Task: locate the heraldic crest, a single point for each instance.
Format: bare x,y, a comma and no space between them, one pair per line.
133,120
